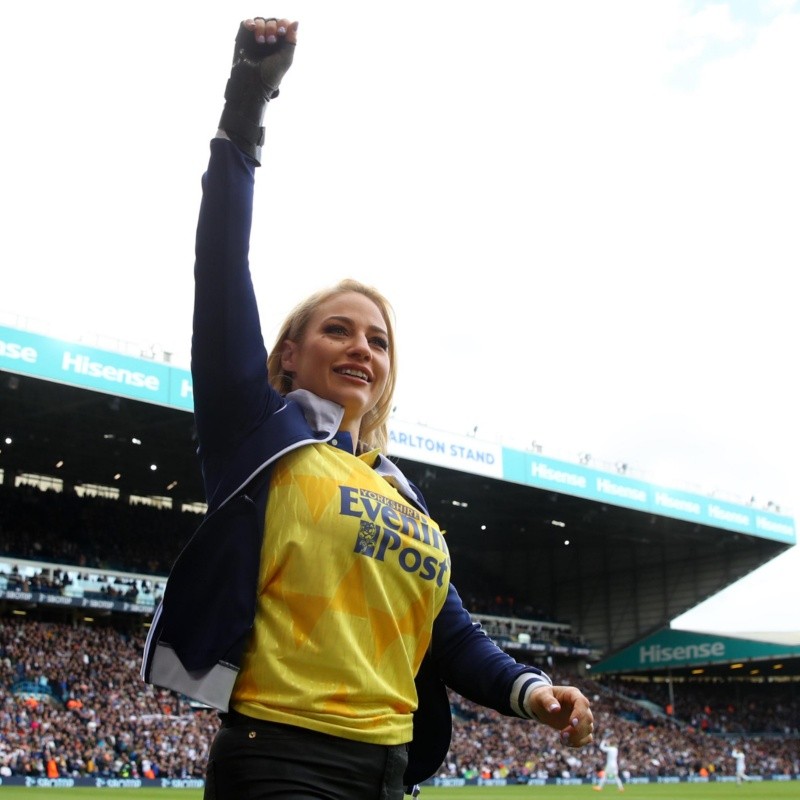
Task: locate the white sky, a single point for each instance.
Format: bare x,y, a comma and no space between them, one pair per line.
584,213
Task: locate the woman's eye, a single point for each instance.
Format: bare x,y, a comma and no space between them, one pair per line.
336,330
379,341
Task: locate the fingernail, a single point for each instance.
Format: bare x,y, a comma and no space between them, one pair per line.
260,38
564,737
552,707
575,723
272,38
281,31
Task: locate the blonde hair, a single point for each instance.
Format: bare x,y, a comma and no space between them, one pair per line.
374,430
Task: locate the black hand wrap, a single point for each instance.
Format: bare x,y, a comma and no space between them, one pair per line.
255,77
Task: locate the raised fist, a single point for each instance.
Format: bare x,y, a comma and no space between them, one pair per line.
265,46
262,55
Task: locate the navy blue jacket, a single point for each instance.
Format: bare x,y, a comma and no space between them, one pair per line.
244,426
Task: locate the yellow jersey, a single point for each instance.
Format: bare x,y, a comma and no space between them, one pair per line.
352,577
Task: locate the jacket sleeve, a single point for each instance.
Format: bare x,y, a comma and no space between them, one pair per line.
229,373
470,663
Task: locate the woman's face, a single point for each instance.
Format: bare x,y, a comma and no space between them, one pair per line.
343,356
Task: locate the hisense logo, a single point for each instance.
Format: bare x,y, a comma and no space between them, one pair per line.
656,654
17,351
83,365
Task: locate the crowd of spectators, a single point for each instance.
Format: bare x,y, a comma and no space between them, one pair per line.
72,704
651,744
80,708
729,708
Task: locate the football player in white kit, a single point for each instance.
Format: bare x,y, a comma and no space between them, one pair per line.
611,769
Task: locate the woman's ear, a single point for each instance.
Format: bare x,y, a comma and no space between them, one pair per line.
289,356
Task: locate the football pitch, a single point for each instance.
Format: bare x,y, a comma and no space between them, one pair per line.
681,791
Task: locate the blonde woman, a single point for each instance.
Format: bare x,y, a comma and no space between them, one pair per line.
313,607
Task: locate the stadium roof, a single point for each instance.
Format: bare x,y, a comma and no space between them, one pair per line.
692,654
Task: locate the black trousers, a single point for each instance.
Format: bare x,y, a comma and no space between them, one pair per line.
255,760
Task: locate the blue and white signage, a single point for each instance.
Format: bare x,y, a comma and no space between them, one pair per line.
90,368
430,446
619,490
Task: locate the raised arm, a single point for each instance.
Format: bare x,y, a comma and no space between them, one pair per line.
231,391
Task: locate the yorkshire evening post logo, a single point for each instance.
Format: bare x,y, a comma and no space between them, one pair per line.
389,530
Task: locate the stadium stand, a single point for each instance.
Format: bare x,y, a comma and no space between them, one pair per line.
70,694
616,557
72,703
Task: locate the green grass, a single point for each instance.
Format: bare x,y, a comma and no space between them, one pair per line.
84,793
680,791
91,793
683,791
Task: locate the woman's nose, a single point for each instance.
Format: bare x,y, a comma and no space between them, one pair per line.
360,346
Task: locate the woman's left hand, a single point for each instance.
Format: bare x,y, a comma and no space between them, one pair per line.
566,709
